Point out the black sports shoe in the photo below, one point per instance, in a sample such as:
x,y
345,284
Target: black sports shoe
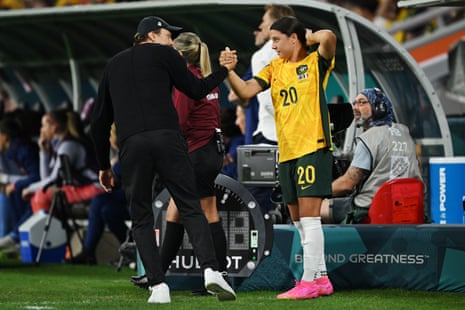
x,y
83,259
140,281
201,292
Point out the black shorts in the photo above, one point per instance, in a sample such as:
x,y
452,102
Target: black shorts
x,y
207,163
307,176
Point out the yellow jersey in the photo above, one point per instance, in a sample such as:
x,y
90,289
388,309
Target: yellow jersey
x,y
299,101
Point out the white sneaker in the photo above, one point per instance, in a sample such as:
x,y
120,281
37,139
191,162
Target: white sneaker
x,y
215,283
160,294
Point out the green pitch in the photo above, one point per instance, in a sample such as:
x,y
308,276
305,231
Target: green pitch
x,y
62,286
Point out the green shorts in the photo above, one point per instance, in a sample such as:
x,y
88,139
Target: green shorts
x,y
307,176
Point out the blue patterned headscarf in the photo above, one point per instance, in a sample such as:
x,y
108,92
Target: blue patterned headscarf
x,y
370,93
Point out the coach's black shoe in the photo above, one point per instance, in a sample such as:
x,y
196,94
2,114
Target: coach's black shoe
x,y
201,292
140,281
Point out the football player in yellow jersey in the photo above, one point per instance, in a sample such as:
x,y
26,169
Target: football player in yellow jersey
x,y
297,80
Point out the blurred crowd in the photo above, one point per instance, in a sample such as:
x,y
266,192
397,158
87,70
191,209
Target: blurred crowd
x,y
383,13
43,153
386,13
32,4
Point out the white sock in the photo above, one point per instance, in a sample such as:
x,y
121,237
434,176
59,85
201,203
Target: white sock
x,y
313,247
322,266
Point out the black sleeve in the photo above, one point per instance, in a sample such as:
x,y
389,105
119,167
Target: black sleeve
x,y
323,63
262,83
185,81
100,125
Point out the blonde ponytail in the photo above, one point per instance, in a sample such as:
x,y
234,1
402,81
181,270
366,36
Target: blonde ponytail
x,y
205,64
194,51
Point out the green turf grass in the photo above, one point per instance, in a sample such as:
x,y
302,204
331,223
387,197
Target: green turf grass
x,y
63,286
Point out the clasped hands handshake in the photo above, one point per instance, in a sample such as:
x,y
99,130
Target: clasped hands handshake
x,y
228,58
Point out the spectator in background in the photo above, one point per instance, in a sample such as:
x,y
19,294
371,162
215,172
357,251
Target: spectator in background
x,y
364,8
233,137
34,4
6,216
19,166
385,151
240,119
78,2
385,13
6,104
61,136
11,4
106,209
250,107
199,121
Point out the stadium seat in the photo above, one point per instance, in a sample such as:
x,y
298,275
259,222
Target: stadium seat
x,y
398,201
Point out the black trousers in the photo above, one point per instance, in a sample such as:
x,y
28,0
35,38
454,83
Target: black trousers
x,y
142,156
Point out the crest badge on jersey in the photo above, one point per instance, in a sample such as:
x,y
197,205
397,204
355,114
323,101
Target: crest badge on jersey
x,y
302,72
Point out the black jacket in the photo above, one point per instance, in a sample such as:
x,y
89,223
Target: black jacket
x,y
136,93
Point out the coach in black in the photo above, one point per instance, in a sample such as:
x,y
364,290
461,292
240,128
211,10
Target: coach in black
x,y
136,93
